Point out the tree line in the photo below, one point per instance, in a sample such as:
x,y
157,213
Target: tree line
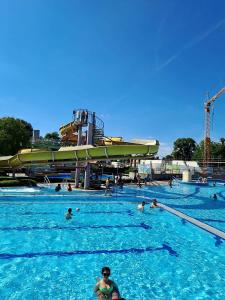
x,y
189,149
16,134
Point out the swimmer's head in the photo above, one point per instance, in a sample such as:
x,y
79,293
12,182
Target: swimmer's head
x,y
106,271
143,203
77,209
69,210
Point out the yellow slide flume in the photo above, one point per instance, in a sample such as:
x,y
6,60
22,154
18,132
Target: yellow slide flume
x,y
84,154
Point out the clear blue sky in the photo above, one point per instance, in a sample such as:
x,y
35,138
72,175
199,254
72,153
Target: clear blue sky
x,y
144,66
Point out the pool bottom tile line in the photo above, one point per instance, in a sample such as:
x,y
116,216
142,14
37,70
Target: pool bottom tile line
x,y
164,247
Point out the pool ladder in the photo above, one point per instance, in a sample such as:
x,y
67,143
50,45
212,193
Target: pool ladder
x,y
46,180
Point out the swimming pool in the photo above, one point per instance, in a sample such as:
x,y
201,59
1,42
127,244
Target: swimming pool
x,y
152,255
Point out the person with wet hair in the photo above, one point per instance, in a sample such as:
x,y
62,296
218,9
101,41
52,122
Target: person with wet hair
x,y
141,206
58,187
154,204
68,214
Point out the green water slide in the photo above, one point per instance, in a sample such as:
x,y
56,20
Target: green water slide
x,y
85,154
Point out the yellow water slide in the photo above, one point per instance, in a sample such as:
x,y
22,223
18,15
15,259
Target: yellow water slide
x,y
68,132
79,153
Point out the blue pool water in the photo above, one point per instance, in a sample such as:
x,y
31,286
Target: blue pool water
x,y
152,255
192,200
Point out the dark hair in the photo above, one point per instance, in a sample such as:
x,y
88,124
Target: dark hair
x,y
107,269
69,210
143,202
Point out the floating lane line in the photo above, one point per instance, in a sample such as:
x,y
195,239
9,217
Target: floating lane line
x,y
195,222
164,247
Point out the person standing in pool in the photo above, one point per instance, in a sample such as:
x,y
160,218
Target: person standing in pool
x,y
141,206
58,187
214,196
69,187
68,214
105,288
154,204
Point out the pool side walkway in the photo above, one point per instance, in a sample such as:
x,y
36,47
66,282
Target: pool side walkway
x,y
202,225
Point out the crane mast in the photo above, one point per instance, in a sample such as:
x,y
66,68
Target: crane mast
x,y
207,107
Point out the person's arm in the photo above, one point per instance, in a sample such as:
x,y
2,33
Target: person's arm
x,y
98,292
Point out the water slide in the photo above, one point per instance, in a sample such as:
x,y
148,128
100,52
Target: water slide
x,y
79,153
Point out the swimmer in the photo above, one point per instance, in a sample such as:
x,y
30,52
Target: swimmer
x,y
68,214
154,204
58,187
69,187
77,209
214,196
141,206
107,289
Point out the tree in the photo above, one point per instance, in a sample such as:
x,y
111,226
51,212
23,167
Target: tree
x,y
199,151
217,150
183,148
168,157
15,134
52,136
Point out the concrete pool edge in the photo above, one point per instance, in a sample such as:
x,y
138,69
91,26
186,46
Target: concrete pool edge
x,y
193,221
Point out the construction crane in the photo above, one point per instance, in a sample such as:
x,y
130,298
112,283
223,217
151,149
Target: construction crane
x,y
207,107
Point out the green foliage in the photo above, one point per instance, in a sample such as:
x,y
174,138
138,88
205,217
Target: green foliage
x,y
168,158
217,150
199,151
17,182
52,136
183,148
5,178
15,134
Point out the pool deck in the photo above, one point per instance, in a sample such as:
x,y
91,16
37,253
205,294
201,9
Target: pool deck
x,y
195,222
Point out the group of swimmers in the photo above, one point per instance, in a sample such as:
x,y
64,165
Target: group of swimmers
x,y
153,204
202,180
58,187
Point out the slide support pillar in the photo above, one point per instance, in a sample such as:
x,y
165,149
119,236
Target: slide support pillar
x,y
77,173
88,166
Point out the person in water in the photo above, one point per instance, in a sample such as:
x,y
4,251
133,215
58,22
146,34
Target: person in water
x,y
214,196
154,204
141,206
69,187
68,214
58,187
105,288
